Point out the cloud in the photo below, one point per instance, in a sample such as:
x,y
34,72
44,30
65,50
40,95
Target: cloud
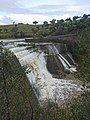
x,y
40,7
53,10
40,18
7,4
6,20
41,10
21,7
29,18
30,10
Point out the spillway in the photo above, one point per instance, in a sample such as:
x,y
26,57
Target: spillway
x,y
44,85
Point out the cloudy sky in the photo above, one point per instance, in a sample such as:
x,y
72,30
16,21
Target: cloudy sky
x,y
27,11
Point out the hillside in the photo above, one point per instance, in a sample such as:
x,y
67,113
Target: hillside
x,y
17,99
55,27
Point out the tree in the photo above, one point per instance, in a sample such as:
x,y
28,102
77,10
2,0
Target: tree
x,y
45,23
75,18
68,20
62,20
13,22
60,23
84,17
53,21
35,22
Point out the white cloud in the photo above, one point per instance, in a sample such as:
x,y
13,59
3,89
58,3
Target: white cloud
x,y
27,11
39,18
5,20
29,18
32,3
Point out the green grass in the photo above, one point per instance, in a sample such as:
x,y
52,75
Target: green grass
x,y
27,30
20,101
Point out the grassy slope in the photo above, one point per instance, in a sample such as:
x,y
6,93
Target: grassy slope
x,y
81,53
27,30
6,30
21,98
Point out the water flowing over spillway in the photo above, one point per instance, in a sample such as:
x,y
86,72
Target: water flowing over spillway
x,y
44,85
65,63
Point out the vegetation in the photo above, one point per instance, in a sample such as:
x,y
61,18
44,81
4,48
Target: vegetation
x,y
17,99
18,102
55,27
81,53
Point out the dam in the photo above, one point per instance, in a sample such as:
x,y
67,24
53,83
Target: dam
x,y
33,58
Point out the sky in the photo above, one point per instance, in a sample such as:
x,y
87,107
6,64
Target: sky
x,y
27,11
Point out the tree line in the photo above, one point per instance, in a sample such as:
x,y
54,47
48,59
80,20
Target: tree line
x,y
53,27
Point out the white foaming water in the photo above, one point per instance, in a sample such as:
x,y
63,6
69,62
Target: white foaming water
x,y
21,54
64,62
11,40
17,49
9,46
54,50
45,86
